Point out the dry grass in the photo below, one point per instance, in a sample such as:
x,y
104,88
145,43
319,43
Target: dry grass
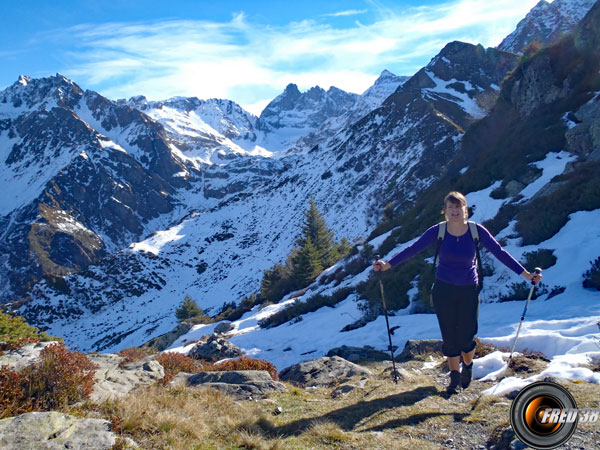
x,y
413,414
179,418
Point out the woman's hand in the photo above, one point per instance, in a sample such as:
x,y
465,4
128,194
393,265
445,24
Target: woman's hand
x,y
534,277
380,265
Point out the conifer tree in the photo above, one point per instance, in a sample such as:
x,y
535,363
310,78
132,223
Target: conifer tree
x,y
275,283
307,264
188,309
343,247
322,238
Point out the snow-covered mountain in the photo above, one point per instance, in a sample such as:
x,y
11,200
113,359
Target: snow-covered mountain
x,y
385,85
546,23
83,177
235,220
205,131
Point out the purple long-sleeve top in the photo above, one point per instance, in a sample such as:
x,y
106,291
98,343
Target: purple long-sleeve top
x,y
457,262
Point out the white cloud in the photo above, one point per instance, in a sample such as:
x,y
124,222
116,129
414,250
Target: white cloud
x,y
350,12
251,63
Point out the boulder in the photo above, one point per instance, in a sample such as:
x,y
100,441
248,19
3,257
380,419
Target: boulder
x,y
323,372
355,354
115,379
164,341
241,384
214,348
54,430
24,356
224,327
420,349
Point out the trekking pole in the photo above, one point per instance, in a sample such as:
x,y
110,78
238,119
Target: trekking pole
x,y
387,324
537,270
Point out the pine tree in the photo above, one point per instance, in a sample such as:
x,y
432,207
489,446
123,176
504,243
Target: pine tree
x,y
188,309
343,247
307,264
275,283
322,238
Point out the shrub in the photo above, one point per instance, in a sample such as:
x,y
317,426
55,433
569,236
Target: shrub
x,y
60,378
542,258
592,276
520,291
173,363
396,283
134,354
485,348
242,363
312,304
15,332
236,313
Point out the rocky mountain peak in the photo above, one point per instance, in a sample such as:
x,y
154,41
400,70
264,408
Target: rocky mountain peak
x,y
294,109
387,77
471,68
47,92
546,23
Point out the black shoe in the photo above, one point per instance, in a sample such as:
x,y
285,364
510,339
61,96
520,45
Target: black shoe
x,y
454,382
465,375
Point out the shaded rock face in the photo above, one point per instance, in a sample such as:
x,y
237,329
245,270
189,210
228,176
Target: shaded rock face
x,y
419,349
583,136
242,384
114,380
223,327
164,341
53,430
355,354
215,348
323,372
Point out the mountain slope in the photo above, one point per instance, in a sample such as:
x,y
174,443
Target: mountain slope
x,y
86,177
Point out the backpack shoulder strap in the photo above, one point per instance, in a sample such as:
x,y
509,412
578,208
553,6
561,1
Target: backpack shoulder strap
x,y
474,231
475,236
441,231
440,238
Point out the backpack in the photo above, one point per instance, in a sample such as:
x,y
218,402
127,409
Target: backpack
x,y
475,236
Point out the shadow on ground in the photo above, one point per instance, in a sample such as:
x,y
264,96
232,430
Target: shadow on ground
x,y
348,417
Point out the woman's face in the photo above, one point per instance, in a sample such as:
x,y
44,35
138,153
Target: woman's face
x,y
455,212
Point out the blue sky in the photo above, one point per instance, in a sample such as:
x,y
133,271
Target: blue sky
x,y
244,51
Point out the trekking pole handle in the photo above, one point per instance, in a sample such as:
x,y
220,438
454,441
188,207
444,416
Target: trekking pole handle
x,y
537,271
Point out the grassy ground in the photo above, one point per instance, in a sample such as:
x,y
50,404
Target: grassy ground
x,y
413,414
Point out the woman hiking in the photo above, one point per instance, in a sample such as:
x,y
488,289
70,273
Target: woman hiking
x,y
455,293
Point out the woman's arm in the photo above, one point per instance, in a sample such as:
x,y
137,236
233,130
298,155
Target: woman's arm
x,y
488,241
419,245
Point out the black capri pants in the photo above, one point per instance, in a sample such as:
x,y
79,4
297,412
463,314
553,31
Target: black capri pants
x,y
457,311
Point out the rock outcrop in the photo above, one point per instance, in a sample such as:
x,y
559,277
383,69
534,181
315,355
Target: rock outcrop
x,y
114,379
24,356
215,348
54,430
323,372
240,384
356,354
